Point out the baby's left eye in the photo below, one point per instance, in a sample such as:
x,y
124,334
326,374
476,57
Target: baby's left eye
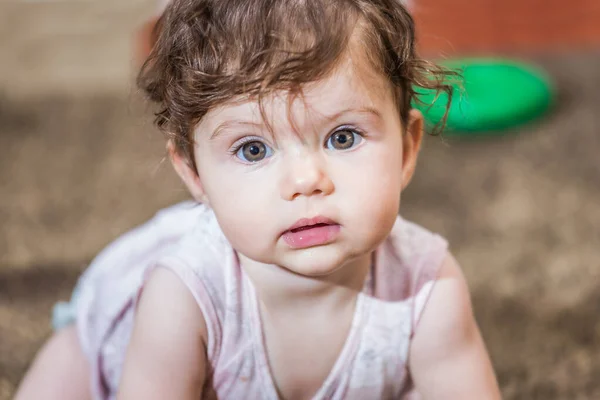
x,y
343,139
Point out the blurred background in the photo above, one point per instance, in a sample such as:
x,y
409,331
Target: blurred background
x,y
80,163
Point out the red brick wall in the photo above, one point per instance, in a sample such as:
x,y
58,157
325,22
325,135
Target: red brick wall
x,y
489,26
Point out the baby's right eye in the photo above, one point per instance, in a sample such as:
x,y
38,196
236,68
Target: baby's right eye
x,y
253,151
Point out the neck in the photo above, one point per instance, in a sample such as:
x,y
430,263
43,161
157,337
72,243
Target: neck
x,y
280,290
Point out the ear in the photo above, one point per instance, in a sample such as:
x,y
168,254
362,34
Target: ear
x,y
187,174
411,144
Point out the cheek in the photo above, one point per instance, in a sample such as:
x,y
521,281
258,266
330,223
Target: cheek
x,y
371,190
241,203
375,176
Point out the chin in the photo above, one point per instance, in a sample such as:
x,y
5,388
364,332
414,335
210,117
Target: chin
x,y
317,261
312,271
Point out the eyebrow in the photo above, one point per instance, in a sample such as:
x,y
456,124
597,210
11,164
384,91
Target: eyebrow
x,y
360,110
229,124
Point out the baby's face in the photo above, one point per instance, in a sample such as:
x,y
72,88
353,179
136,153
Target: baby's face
x,y
333,161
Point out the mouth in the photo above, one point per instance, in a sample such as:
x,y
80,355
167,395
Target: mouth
x,y
303,228
311,232
308,223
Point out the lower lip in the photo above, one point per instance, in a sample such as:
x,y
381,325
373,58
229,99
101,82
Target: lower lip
x,y
316,236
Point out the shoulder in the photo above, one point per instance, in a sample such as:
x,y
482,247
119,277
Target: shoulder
x,y
166,308
415,238
413,245
409,258
149,241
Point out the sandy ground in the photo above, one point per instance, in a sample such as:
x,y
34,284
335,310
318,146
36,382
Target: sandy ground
x,y
79,164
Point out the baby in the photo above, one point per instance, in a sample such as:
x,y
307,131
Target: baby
x,y
290,275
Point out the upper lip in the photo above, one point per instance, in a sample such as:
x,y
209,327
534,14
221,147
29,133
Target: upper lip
x,y
311,221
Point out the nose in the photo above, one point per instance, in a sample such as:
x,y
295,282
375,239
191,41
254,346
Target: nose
x,y
305,175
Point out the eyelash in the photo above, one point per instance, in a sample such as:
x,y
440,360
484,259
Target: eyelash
x,y
248,139
349,128
240,143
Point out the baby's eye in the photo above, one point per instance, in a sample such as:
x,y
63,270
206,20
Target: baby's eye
x,y
343,139
253,151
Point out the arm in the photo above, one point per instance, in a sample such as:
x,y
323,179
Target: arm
x,y
448,359
166,357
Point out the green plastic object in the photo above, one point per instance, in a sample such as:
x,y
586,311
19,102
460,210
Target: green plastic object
x,y
493,96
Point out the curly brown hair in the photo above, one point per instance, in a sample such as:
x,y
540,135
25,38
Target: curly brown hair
x,y
209,52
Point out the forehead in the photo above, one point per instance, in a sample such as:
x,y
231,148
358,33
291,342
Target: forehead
x,y
350,87
351,84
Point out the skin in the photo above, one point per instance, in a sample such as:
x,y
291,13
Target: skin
x,y
312,289
60,360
